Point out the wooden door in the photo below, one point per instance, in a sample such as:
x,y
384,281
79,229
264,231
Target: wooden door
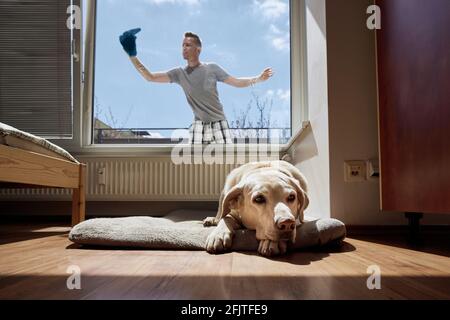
x,y
413,53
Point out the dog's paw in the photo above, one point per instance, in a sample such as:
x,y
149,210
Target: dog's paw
x,y
269,248
209,222
219,241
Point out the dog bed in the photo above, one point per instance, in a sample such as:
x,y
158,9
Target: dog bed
x,y
183,230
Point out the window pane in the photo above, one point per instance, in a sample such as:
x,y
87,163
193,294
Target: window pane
x,y
242,36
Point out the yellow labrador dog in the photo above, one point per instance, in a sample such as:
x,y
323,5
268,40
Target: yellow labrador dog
x,y
268,197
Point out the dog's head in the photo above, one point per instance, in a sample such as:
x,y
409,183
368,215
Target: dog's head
x,y
270,202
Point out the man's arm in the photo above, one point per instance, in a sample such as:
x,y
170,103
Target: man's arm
x,y
161,77
128,42
246,82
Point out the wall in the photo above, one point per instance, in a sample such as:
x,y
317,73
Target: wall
x,y
311,155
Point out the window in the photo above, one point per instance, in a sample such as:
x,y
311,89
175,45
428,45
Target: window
x,y
242,36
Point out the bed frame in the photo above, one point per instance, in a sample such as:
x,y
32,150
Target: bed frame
x,y
33,169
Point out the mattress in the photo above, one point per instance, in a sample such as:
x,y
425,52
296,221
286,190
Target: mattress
x,y
14,137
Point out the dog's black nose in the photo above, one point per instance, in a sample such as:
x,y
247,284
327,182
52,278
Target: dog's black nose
x,y
285,224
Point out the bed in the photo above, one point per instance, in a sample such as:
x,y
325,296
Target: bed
x,y
30,161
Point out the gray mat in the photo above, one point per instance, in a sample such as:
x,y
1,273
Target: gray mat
x,y
183,229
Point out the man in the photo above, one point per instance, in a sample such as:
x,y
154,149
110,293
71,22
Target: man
x,y
199,82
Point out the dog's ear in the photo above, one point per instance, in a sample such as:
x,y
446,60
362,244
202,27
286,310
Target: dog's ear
x,y
302,195
230,200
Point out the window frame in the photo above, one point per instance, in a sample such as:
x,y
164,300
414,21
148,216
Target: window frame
x,y
74,144
82,142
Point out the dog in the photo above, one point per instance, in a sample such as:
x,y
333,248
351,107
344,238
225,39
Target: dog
x,y
268,197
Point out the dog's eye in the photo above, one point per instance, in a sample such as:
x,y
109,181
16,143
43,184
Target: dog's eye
x,y
259,199
291,198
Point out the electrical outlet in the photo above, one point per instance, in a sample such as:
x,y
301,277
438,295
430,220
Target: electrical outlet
x,y
355,171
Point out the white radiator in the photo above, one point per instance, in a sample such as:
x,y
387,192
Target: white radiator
x,y
138,179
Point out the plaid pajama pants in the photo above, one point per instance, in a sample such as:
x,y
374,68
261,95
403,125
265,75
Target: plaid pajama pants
x,y
209,132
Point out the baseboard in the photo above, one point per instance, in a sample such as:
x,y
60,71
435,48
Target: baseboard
x,y
60,211
378,230
13,209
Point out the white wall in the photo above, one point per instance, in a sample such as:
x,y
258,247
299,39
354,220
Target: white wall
x,y
312,155
353,112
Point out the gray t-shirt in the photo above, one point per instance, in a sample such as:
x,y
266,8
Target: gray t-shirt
x,y
200,87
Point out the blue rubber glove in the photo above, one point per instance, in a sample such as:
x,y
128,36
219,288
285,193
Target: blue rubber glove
x,y
128,41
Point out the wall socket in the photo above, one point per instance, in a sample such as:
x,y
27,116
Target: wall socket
x,y
355,171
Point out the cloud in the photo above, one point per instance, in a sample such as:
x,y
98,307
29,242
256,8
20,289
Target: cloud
x,y
281,43
271,9
274,29
216,52
193,6
180,2
284,95
280,94
278,38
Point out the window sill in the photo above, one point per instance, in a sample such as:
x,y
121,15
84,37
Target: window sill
x,y
164,150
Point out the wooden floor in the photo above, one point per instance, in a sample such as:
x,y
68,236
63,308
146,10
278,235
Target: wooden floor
x,y
34,260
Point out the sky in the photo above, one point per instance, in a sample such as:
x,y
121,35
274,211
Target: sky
x,y
242,36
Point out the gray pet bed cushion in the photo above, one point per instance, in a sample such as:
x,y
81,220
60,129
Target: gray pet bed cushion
x,y
183,230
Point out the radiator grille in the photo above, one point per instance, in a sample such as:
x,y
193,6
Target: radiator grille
x,y
139,179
